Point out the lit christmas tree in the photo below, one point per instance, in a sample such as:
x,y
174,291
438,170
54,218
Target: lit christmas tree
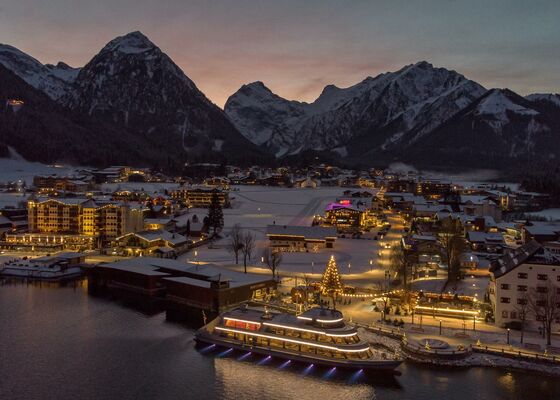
x,y
331,283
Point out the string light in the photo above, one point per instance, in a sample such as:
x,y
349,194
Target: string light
x,y
331,281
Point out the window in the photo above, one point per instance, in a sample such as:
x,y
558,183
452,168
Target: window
x,y
542,277
542,289
521,288
522,275
513,315
504,299
505,314
541,303
504,286
522,301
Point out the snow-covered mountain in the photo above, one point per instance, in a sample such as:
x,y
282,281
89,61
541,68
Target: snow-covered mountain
x,y
52,80
497,128
391,109
551,98
137,86
135,91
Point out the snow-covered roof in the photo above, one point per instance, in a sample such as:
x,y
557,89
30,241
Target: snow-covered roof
x,y
307,232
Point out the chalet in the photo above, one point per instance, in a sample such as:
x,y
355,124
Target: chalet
x,y
489,242
541,232
160,243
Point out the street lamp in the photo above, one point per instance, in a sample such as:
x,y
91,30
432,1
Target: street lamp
x,y
508,336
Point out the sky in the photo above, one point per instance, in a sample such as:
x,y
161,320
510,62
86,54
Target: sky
x,y
298,47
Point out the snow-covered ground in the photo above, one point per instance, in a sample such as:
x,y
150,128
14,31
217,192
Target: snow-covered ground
x,y
14,169
552,214
254,207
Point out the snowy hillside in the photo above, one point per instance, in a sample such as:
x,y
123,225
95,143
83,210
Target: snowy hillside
x,y
47,78
415,98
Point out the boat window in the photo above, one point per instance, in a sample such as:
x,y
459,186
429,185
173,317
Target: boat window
x,y
323,352
306,349
308,335
292,346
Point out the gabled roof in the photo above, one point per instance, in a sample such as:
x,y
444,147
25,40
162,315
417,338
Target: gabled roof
x,y
530,253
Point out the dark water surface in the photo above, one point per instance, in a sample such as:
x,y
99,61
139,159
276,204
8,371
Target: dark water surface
x,y
61,343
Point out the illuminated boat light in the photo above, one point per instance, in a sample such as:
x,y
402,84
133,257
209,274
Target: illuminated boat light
x,y
244,356
356,375
284,365
329,373
242,321
208,348
261,362
308,369
224,353
322,321
311,330
294,341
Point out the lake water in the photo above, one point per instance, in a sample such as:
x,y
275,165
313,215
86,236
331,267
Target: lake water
x,y
61,343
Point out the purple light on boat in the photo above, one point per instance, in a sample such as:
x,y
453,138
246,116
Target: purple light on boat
x,y
308,369
244,356
356,375
223,353
261,362
284,365
208,348
329,373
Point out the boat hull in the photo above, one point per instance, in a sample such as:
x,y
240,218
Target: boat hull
x,y
204,337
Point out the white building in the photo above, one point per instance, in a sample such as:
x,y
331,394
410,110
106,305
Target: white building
x,y
521,273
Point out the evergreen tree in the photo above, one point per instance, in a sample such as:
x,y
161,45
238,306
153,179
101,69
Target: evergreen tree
x,y
215,214
331,283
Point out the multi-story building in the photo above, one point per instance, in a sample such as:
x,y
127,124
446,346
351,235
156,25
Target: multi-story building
x,y
519,279
76,223
200,197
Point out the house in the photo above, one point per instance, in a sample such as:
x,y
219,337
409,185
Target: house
x,y
518,274
480,206
300,238
541,232
158,243
344,217
490,242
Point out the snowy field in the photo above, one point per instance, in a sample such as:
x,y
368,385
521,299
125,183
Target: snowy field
x,y
552,214
14,169
254,207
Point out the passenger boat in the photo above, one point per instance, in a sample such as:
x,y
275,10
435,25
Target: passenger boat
x,y
319,336
39,268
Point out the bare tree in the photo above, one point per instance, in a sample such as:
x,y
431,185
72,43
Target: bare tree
x,y
307,283
272,259
544,303
523,309
400,265
247,247
235,241
383,288
453,245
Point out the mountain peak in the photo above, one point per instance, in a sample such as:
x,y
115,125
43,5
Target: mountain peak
x,y
131,43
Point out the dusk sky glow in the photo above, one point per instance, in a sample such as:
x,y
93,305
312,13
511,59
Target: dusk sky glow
x,y
298,47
